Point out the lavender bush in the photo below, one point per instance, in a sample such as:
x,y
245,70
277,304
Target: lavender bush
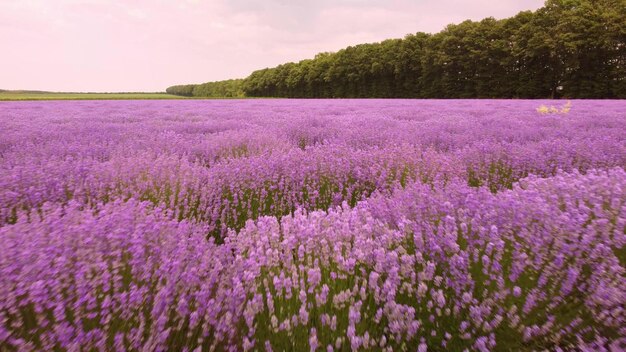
x,y
312,225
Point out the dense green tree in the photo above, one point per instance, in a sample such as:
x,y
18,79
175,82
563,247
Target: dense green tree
x,y
183,90
231,88
568,48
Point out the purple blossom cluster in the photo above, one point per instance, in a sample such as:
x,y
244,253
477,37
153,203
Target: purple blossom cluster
x,y
312,225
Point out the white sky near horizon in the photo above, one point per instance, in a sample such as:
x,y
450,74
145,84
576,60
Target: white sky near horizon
x,y
100,46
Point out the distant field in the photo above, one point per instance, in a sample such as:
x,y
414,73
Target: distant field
x,y
17,95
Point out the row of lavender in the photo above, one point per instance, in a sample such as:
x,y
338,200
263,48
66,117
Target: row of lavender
x,y
226,162
536,267
408,253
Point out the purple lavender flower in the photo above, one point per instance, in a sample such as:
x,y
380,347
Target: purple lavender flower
x,y
205,225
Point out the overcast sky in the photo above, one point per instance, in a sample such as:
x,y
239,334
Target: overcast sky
x,y
116,45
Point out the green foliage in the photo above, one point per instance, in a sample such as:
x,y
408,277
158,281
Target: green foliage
x,y
568,48
222,89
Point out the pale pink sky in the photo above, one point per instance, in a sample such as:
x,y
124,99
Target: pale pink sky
x,y
99,45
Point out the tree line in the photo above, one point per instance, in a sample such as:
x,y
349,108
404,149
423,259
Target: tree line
x,y
568,48
231,88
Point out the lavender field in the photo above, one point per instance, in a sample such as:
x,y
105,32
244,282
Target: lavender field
x,y
312,225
